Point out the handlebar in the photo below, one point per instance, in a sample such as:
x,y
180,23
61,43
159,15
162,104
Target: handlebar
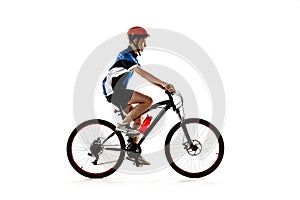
x,y
177,101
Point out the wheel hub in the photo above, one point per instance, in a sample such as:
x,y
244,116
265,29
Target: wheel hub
x,y
193,149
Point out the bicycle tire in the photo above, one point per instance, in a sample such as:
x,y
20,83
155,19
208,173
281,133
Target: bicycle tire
x,y
214,132
103,125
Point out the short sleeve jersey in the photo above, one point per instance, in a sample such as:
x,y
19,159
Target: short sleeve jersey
x,y
121,71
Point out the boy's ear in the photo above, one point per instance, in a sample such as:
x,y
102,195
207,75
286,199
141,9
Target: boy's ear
x,y
135,40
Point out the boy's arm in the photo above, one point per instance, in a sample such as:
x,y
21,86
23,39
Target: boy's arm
x,y
152,79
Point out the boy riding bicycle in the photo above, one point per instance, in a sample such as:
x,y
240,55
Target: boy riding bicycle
x,y
115,84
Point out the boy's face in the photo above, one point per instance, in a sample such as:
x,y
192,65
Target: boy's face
x,y
141,44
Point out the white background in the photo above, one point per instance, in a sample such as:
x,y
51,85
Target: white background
x,y
255,46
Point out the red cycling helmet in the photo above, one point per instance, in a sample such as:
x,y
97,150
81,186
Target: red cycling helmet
x,y
137,31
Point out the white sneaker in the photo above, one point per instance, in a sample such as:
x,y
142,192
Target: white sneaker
x,y
125,128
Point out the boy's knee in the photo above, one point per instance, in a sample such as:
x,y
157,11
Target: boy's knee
x,y
149,101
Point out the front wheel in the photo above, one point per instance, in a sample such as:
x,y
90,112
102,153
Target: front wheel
x,y
199,157
94,149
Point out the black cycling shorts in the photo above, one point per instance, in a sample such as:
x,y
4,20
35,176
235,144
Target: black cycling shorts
x,y
120,97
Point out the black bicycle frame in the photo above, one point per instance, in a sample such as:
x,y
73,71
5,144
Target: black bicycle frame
x,y
168,104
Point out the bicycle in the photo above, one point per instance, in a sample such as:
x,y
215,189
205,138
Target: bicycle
x,y
193,147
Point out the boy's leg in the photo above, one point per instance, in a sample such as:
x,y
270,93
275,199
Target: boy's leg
x,y
137,122
136,125
144,103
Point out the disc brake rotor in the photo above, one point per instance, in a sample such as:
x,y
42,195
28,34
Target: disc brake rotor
x,y
193,149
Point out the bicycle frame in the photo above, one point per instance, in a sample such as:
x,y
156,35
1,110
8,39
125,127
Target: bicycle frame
x,y
168,104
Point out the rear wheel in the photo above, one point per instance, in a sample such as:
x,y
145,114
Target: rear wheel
x,y
94,149
200,157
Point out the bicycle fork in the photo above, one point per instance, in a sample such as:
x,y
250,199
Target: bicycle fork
x,y
187,136
183,125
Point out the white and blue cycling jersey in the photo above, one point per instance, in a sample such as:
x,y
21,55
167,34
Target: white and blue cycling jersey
x,y
121,71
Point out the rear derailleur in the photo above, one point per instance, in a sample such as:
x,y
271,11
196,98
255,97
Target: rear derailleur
x,y
96,149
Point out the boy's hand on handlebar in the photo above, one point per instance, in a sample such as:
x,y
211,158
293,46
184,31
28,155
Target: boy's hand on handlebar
x,y
169,87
